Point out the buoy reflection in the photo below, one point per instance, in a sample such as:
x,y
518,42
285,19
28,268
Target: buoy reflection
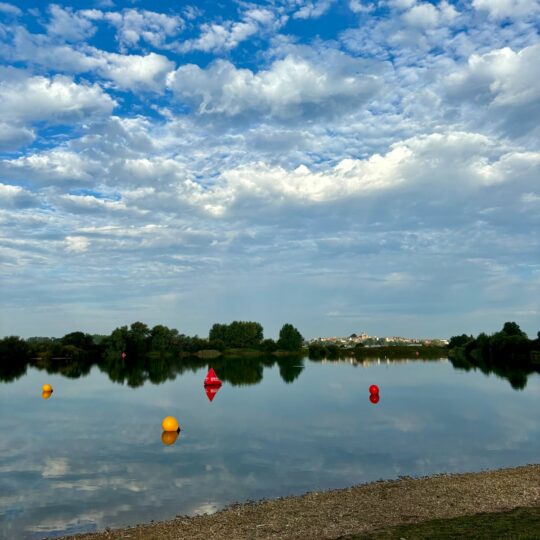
x,y
46,395
374,398
169,437
211,391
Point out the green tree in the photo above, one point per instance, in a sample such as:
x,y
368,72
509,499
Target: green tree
x,y
269,345
240,334
80,340
513,329
218,331
459,341
13,348
14,357
290,339
162,339
139,334
118,340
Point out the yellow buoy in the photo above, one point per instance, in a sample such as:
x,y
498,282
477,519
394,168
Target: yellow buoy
x,y
47,388
170,423
46,395
169,437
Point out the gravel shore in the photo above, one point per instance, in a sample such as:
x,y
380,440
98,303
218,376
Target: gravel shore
x,y
362,508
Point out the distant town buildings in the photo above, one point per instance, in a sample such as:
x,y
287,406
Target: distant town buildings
x,y
374,341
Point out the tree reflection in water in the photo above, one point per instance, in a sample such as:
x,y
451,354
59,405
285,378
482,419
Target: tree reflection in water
x,y
157,367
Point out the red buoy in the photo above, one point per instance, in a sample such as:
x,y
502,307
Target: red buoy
x,y
212,379
123,355
374,389
374,398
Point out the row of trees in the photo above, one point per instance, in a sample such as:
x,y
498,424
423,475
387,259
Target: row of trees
x,y
508,353
240,334
76,352
140,339
509,344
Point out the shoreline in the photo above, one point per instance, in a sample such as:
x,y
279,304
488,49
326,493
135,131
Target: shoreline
x,y
362,508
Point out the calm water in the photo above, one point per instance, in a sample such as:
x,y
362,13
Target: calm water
x,y
91,456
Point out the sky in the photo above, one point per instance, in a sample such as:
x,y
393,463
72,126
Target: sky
x,y
341,165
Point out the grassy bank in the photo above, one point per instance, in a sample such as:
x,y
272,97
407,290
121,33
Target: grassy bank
x,y
517,524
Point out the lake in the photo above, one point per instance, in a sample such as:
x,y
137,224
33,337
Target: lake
x,y
92,455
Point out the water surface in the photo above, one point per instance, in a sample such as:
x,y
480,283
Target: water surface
x,y
91,456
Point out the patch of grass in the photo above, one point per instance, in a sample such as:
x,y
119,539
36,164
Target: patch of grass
x,y
517,524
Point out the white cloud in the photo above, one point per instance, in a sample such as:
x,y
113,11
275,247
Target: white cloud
x,y
500,77
39,50
501,9
192,12
282,90
401,4
13,136
217,37
68,25
88,204
433,165
56,99
357,6
410,33
531,198
51,166
16,197
77,244
422,16
425,15
10,9
139,25
502,88
134,71
313,10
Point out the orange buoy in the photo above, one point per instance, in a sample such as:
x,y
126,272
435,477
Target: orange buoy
x,y
170,423
47,388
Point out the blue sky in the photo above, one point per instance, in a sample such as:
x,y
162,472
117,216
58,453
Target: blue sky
x,y
343,165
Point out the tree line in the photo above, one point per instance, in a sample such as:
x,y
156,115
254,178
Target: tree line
x,y
78,351
508,353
